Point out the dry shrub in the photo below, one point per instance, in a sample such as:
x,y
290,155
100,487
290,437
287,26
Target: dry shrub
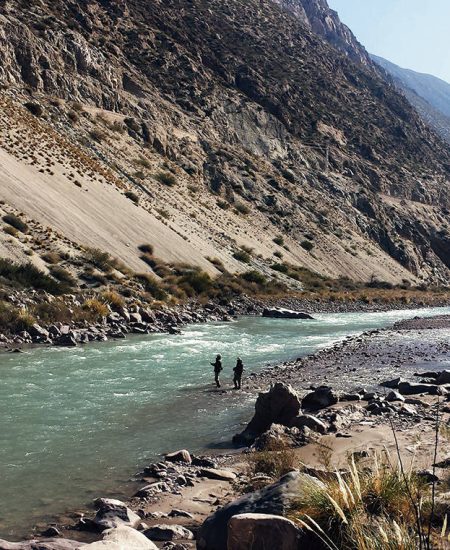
x,y
367,509
15,222
276,460
51,257
13,319
113,299
96,308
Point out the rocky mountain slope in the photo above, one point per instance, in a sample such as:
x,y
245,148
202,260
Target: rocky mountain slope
x,y
428,94
203,127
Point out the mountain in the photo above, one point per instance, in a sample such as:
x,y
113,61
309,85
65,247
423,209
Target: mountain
x,y
317,16
204,126
429,95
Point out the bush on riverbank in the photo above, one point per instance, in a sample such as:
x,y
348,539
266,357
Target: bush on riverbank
x,y
367,509
14,319
29,276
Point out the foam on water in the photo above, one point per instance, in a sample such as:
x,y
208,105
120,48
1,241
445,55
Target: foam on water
x,y
76,423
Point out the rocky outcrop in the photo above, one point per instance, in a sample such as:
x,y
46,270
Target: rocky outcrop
x,y
317,15
275,499
279,405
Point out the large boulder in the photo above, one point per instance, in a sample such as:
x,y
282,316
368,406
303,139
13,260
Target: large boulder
x,y
123,538
179,456
42,544
443,377
277,406
412,388
282,313
168,532
321,398
256,531
276,499
114,513
220,475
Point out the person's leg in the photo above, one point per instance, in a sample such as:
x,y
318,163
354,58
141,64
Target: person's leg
x,y
217,379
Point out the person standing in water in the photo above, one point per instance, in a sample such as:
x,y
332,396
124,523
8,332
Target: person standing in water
x,y
238,370
217,369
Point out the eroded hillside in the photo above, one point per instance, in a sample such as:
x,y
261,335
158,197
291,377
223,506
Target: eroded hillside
x,y
204,127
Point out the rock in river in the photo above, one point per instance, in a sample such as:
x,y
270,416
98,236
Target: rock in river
x,y
281,313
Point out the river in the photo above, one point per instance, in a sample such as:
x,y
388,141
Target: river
x,y
77,423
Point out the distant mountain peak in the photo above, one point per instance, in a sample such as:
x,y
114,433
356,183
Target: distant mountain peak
x,y
427,93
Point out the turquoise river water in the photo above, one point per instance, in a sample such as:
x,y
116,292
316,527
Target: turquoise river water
x,y
77,423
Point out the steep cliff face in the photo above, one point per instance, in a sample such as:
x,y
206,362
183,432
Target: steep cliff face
x,y
325,22
233,124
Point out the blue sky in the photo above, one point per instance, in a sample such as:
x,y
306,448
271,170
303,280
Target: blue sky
x,y
414,34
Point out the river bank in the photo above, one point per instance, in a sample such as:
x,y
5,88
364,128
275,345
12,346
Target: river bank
x,y
116,319
360,361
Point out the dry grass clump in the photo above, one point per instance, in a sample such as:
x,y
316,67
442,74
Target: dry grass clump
x,y
166,178
29,276
13,319
16,222
242,256
63,275
368,509
10,230
275,460
51,257
104,261
146,248
96,308
134,197
113,299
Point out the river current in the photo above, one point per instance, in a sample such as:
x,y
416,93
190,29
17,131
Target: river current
x,y
75,424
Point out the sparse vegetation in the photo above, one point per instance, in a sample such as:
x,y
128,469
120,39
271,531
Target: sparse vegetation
x,y
275,460
132,196
10,230
279,240
242,256
371,509
51,257
13,319
96,308
241,208
307,245
16,222
146,248
166,178
29,276
113,299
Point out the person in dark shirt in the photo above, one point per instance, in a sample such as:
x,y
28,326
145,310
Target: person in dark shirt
x,y
217,369
238,370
